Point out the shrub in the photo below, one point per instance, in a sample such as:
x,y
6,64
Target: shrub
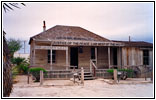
x,y
23,68
14,72
17,60
129,71
110,71
36,72
22,65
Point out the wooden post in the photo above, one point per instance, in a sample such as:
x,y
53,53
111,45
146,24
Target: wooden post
x,y
91,66
51,59
31,55
145,73
34,57
28,78
152,75
67,59
121,56
109,57
82,75
115,75
34,53
96,55
41,77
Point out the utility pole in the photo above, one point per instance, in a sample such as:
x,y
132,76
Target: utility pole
x,y
24,45
129,38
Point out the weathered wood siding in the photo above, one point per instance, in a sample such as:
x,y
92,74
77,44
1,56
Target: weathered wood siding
x,y
84,58
41,58
151,58
60,58
132,56
102,57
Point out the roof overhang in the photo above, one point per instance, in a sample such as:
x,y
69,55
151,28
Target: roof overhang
x,y
80,43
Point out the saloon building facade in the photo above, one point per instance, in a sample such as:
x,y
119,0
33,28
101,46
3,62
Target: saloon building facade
x,y
68,47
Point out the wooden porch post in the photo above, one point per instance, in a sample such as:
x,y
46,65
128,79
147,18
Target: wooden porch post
x,y
109,57
96,55
34,54
31,55
121,56
34,57
67,58
51,58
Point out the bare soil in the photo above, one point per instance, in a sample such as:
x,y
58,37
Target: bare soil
x,y
91,88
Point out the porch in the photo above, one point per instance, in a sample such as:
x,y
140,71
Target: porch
x,y
74,57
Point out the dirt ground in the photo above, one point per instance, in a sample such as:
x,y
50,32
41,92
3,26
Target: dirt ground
x,y
91,88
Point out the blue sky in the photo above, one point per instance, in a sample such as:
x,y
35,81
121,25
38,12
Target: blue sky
x,y
115,21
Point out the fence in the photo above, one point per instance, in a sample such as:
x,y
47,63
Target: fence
x,y
102,73
58,74
52,74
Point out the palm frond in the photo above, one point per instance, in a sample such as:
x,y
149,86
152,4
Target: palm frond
x,y
23,4
10,6
15,5
7,6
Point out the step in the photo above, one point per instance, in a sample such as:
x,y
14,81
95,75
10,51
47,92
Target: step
x,y
88,75
89,78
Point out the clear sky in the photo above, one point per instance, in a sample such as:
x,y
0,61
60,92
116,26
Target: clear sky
x,y
115,21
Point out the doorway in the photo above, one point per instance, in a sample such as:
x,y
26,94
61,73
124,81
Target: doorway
x,y
115,56
74,57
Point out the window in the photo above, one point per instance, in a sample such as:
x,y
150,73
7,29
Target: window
x,y
145,57
53,56
92,53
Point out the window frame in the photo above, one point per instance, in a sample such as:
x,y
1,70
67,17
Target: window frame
x,y
53,56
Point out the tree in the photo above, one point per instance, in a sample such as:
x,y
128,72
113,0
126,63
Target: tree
x,y
13,45
10,6
7,74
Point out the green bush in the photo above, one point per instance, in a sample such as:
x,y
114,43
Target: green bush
x,y
17,60
23,68
36,72
14,72
129,71
22,65
110,71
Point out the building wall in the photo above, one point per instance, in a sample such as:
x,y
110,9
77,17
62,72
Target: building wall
x,y
84,58
151,58
130,56
102,57
60,57
41,58
134,56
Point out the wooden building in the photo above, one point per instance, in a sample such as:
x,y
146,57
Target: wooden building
x,y
68,47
